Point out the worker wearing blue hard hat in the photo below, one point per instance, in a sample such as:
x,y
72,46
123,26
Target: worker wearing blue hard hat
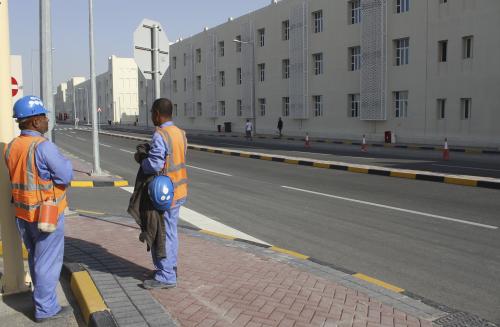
x,y
39,174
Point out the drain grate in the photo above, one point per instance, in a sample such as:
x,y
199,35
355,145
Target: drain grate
x,y
463,319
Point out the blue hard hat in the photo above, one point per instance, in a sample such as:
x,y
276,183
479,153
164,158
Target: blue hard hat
x,y
29,106
161,192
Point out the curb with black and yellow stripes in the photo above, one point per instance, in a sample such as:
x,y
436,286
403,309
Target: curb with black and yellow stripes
x,y
90,184
472,181
92,306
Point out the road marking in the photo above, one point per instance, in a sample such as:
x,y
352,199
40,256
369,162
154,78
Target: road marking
x,y
203,222
105,145
474,168
89,212
73,132
81,139
394,208
127,151
379,283
210,171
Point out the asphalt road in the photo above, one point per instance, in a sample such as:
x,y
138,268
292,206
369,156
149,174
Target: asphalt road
x,y
437,240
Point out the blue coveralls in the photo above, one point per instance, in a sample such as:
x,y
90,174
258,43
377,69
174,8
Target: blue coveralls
x,y
153,164
46,250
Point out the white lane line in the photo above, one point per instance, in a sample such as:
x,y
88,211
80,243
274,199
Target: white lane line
x,y
105,145
205,223
210,171
81,139
127,151
394,208
73,132
473,168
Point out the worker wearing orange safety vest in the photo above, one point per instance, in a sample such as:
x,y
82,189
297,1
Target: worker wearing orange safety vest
x,y
167,156
38,173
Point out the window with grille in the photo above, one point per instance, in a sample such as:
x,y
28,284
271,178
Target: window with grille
x,y
238,76
402,51
198,82
285,110
354,104
184,59
185,109
262,72
262,37
262,107
221,49
355,11
174,62
285,30
239,108
318,21
355,58
174,85
222,78
285,68
318,63
441,109
198,55
199,109
185,85
222,108
467,47
402,6
318,105
401,104
443,51
175,109
466,108
238,44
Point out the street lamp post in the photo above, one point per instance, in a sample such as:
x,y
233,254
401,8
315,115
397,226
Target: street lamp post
x,y
254,115
93,91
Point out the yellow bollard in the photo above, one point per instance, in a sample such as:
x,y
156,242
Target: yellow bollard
x,y
13,278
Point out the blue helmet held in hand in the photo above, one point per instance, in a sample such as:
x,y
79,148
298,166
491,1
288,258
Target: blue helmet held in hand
x,y
161,192
29,106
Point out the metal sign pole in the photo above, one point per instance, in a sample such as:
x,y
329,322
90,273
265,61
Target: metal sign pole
x,y
93,91
155,64
46,63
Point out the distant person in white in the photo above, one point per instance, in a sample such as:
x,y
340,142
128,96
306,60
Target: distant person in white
x,y
248,130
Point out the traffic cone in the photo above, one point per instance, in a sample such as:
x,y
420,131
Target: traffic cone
x,y
446,150
307,144
364,147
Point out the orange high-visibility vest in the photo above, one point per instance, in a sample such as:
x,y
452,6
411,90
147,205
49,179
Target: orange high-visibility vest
x,y
29,190
175,163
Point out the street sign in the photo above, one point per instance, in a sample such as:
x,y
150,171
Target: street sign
x,y
99,109
143,48
15,86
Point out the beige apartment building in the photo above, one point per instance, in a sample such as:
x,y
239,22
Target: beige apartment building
x,y
117,95
422,69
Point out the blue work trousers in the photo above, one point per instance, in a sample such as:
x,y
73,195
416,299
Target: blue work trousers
x,y
165,272
45,258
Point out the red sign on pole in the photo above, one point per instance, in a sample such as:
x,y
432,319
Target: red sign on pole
x,y
99,109
15,86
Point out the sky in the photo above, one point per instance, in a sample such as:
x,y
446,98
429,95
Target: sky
x,y
114,25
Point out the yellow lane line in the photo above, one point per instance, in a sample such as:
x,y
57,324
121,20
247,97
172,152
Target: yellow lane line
x,y
379,283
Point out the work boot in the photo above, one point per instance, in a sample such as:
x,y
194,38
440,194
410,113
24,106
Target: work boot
x,y
150,284
64,312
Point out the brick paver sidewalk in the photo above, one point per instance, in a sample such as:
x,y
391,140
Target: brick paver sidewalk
x,y
222,283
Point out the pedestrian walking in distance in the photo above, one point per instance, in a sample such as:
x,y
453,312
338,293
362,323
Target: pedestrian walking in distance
x,y
39,176
248,130
167,156
280,126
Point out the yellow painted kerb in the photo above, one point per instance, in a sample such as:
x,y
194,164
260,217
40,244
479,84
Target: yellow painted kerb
x,y
82,184
379,283
358,170
403,175
121,183
289,252
321,165
226,237
460,181
86,294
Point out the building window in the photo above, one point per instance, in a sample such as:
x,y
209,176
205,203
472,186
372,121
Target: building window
x,y
402,51
199,109
318,63
222,78
238,76
262,107
198,55
184,59
318,105
354,103
443,1
318,21
355,11
262,36
262,72
285,30
285,106
401,104
175,86
443,51
221,49
441,109
185,109
198,82
355,56
174,62
185,85
285,68
239,108
467,47
222,108
466,108
402,6
238,44
175,109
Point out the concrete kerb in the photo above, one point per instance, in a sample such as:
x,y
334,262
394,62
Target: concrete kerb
x,y
91,184
89,299
463,180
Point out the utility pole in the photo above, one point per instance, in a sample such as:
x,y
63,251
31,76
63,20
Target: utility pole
x,y
13,278
93,91
155,30
46,63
